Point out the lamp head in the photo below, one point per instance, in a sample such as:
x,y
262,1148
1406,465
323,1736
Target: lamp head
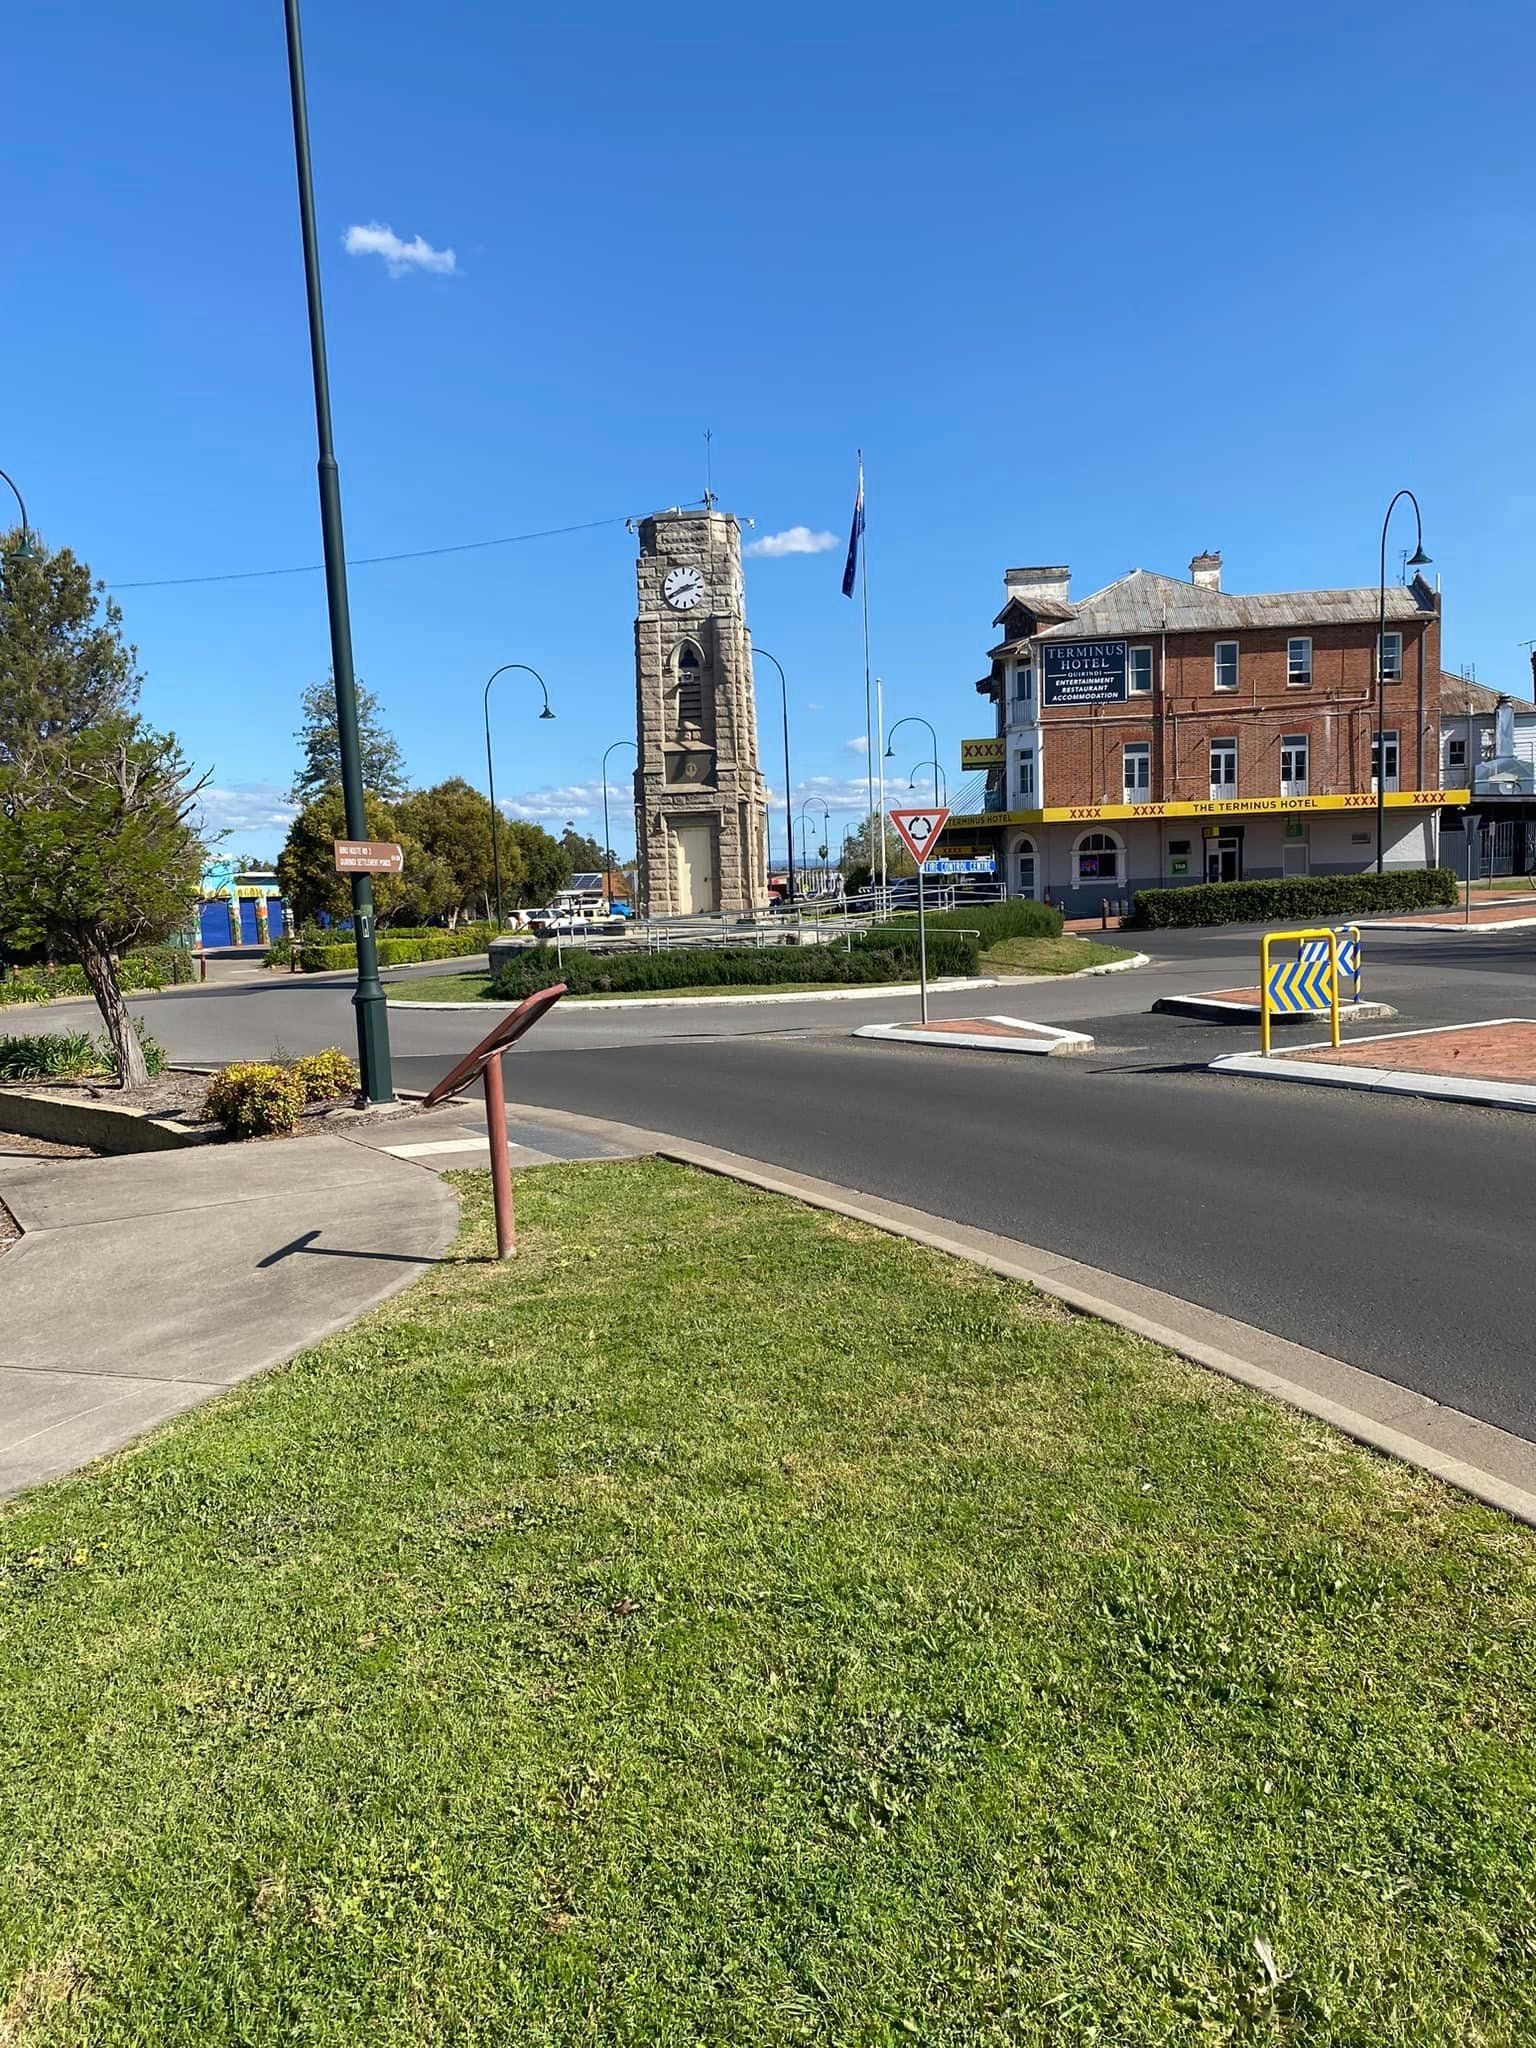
x,y
546,712
23,551
1418,559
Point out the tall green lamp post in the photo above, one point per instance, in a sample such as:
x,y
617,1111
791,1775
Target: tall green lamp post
x,y
368,999
24,550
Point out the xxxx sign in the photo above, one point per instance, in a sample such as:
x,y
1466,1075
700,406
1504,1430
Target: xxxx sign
x,y
920,829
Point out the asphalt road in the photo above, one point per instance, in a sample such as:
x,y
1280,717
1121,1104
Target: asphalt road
x,y
1382,1230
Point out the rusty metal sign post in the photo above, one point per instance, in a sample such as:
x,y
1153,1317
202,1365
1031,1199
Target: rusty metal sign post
x,y
484,1063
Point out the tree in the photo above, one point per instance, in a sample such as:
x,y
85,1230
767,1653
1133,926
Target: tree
x,y
545,864
856,854
306,868
98,853
383,762
63,661
452,822
586,856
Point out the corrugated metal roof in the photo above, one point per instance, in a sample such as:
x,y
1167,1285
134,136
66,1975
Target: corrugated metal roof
x,y
1144,602
1459,695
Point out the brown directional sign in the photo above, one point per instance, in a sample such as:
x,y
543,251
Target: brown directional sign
x,y
367,857
494,1043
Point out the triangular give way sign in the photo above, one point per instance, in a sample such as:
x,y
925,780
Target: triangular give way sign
x,y
920,829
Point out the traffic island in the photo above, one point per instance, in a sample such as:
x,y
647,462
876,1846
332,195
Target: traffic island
x,y
1241,1006
1492,1063
984,1034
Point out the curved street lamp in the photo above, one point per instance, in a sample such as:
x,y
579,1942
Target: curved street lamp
x,y
607,841
809,803
789,814
490,767
890,750
1417,560
24,551
938,777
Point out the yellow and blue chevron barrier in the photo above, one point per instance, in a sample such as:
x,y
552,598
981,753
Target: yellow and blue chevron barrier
x,y
1304,985
1349,954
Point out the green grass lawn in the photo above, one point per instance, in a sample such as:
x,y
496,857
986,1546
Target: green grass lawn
x,y
729,1626
1064,955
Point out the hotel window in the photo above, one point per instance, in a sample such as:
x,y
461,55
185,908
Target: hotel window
x,y
1226,664
1456,756
1384,743
1024,683
1223,769
1138,771
1026,766
1293,764
1392,657
1096,858
1141,671
1298,664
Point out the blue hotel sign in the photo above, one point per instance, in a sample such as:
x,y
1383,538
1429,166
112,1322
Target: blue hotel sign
x,y
1083,672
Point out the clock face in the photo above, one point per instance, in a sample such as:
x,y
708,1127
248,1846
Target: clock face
x,y
683,588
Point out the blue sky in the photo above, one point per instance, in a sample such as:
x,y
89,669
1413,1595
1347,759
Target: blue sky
x,y
1100,284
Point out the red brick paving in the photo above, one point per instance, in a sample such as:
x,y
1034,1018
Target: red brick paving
x,y
1482,913
1484,1052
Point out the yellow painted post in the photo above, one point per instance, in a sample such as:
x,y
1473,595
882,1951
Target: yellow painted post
x,y
1333,983
1264,996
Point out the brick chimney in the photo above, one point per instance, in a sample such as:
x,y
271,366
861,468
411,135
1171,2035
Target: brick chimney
x,y
1206,571
1053,583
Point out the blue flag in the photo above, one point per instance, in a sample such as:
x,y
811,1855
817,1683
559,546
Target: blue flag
x,y
855,536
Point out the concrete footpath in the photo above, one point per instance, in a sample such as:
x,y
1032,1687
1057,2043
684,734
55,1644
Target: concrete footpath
x,y
147,1284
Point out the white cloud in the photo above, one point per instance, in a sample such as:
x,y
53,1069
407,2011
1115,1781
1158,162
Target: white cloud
x,y
576,800
399,257
859,744
815,707
794,540
258,814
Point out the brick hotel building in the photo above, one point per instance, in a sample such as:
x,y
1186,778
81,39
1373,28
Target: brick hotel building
x,y
1163,732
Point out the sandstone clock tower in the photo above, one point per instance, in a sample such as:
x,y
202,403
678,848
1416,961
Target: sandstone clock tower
x,y
701,812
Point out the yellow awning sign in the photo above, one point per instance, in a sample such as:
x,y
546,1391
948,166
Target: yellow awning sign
x,y
1236,807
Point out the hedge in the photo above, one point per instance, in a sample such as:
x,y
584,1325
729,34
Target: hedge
x,y
892,956
317,957
1301,898
154,967
1017,919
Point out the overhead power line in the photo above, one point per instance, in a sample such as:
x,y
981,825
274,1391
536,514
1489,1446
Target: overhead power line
x,y
367,561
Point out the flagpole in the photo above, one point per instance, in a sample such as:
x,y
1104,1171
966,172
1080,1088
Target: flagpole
x,y
880,741
869,728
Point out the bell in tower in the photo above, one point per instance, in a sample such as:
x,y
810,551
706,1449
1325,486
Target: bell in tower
x,y
701,816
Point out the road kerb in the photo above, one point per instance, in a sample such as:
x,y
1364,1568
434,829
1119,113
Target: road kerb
x,y
1046,1041
811,995
1490,1464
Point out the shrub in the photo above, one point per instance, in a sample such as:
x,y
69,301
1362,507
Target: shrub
x,y
887,955
1017,919
256,1099
152,968
325,1075
47,1054
1298,898
56,1055
322,956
